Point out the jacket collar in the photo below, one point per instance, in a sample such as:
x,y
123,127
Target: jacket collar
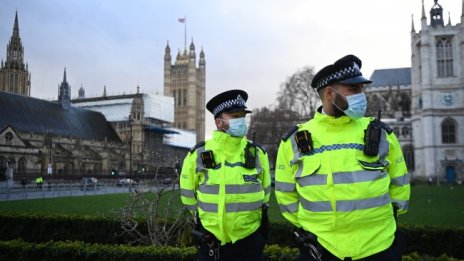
x,y
225,142
325,118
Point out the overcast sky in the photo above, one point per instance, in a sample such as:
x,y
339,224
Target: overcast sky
x,y
253,45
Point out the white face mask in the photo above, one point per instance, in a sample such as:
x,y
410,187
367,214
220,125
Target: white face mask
x,y
237,127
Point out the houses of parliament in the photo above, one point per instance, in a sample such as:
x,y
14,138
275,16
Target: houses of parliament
x,y
129,134
423,103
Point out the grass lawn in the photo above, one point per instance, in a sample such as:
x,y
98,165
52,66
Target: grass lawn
x,y
431,206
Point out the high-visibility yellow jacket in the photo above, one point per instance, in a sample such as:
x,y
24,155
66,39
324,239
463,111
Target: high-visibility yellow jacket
x,y
228,197
337,192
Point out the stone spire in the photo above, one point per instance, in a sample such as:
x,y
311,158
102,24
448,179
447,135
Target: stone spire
x,y
64,93
412,24
423,18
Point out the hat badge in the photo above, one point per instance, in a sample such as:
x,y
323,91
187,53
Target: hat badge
x,y
356,66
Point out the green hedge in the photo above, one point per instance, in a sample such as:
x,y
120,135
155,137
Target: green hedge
x,y
37,228
430,241
70,251
67,250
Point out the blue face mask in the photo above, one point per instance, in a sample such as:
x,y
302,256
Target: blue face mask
x,y
357,105
237,127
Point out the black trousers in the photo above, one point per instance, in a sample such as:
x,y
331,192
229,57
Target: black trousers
x,y
389,254
249,248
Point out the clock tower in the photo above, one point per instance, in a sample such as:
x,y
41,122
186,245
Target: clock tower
x,y
437,74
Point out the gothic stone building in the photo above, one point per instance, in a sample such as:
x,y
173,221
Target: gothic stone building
x,y
427,100
437,76
390,93
186,83
36,134
143,122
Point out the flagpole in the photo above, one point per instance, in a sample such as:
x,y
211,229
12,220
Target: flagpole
x,y
185,33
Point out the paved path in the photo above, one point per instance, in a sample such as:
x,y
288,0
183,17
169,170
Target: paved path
x,y
59,190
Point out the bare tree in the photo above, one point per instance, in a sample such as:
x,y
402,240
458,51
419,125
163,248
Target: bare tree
x,y
154,214
296,94
269,125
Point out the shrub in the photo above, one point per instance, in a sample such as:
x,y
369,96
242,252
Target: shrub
x,y
34,228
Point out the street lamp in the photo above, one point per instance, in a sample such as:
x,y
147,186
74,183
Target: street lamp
x,y
130,154
50,146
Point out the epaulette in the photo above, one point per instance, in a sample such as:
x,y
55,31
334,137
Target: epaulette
x,y
261,147
194,148
387,128
289,133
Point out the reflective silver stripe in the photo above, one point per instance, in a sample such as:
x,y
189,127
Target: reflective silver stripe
x,y
401,204
244,188
209,189
200,167
299,170
237,207
267,189
401,180
315,206
357,176
285,187
296,152
314,179
384,148
231,189
291,208
199,161
258,167
208,207
187,193
192,207
350,205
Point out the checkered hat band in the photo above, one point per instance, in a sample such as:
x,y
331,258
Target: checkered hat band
x,y
344,73
228,104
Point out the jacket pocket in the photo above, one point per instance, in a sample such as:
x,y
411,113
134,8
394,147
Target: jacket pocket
x,y
372,165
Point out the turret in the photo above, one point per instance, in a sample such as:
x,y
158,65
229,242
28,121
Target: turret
x,y
81,94
436,15
64,93
202,61
192,50
167,53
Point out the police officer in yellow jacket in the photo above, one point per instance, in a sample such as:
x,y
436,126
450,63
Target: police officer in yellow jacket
x,y
225,182
341,177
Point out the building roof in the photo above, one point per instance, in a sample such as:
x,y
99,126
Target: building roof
x,y
180,138
390,77
118,107
27,114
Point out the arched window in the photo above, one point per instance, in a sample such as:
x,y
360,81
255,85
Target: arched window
x,y
408,152
2,163
22,165
448,131
8,138
444,57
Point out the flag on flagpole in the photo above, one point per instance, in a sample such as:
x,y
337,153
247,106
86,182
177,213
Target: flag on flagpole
x,y
181,20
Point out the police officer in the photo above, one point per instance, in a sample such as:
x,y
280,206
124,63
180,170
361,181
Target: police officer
x,y
225,182
341,177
